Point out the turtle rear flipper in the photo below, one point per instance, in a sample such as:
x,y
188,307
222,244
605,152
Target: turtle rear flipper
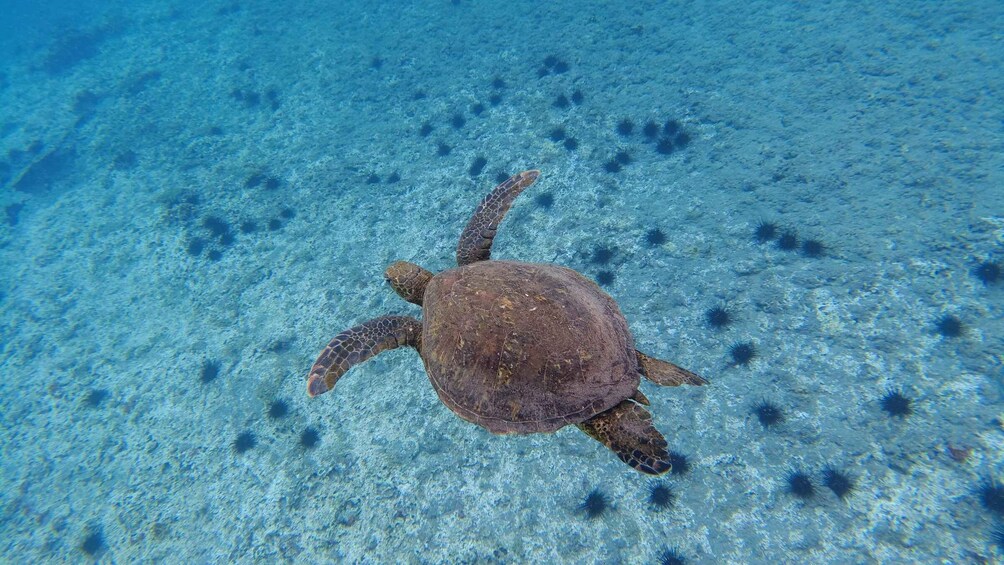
x,y
665,373
476,241
627,430
359,343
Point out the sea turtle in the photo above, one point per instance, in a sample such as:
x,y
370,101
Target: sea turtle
x,y
517,347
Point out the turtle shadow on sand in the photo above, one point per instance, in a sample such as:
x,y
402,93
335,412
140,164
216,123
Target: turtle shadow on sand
x,y
517,347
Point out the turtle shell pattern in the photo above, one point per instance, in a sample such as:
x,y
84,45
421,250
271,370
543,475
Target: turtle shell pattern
x,y
521,348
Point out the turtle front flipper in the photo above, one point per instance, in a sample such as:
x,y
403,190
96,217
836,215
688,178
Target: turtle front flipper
x,y
627,430
665,373
476,241
359,343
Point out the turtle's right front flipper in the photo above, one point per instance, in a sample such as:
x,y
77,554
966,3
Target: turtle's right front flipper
x,y
476,241
359,343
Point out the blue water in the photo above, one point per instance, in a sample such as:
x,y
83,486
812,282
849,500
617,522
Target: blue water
x,y
198,197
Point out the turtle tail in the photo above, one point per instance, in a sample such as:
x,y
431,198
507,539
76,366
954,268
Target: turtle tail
x,y
359,343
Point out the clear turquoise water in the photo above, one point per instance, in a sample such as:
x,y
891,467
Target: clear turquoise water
x,y
197,198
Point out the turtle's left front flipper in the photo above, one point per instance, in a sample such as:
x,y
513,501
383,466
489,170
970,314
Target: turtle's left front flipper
x,y
359,343
627,430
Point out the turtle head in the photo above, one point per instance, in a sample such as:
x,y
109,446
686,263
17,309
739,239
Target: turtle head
x,y
408,280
